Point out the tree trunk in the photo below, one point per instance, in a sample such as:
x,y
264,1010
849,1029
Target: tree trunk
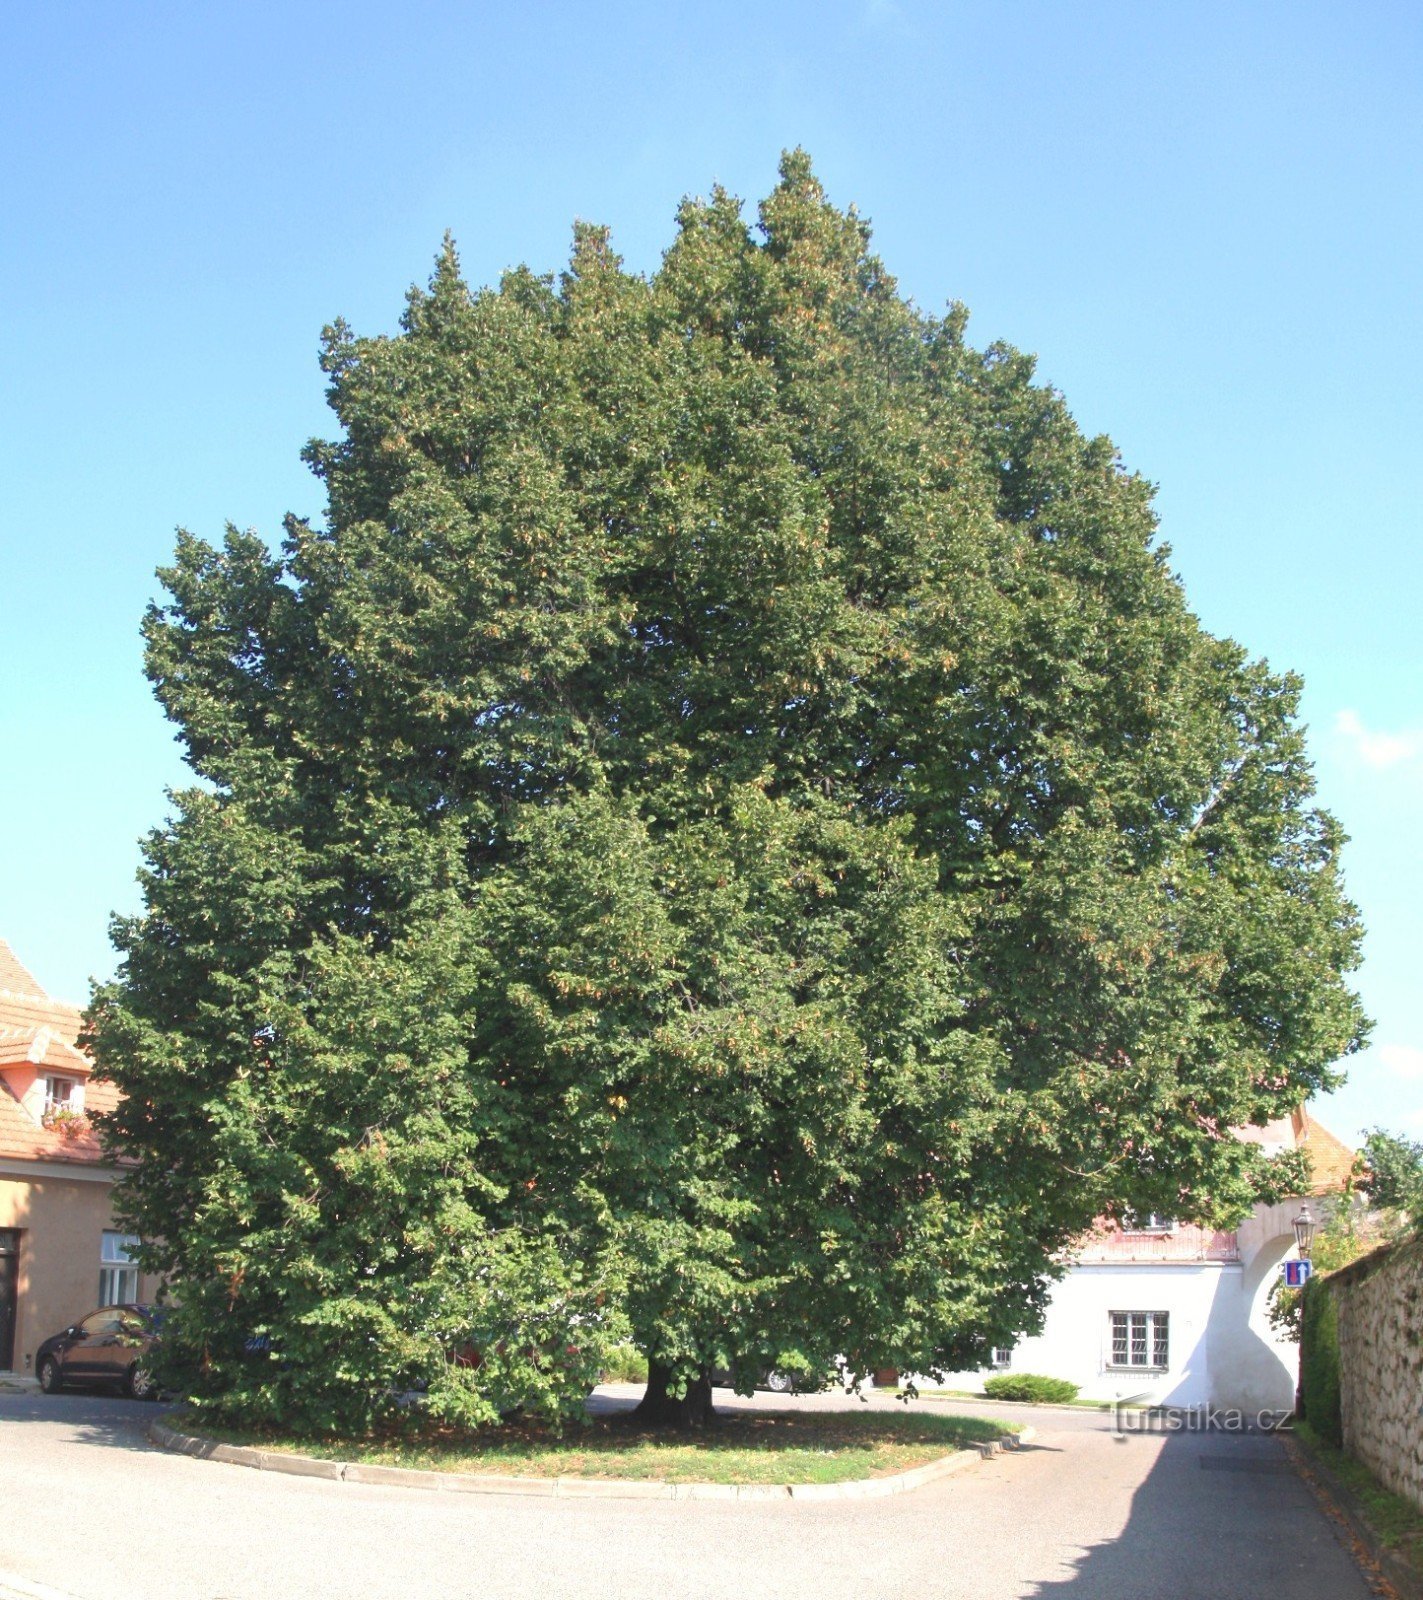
x,y
661,1409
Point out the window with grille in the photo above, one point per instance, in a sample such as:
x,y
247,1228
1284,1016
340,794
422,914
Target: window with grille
x,y
1002,1356
118,1277
1141,1339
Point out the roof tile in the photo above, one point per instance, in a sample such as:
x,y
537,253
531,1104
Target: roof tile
x,y
36,1030
15,976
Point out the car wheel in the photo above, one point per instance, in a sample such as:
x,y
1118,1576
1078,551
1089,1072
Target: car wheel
x,y
778,1383
49,1375
139,1384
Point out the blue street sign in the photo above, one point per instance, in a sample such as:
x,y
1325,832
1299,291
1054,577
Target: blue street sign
x,y
1297,1273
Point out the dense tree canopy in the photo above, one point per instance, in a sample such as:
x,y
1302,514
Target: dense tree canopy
x,y
728,832
1391,1176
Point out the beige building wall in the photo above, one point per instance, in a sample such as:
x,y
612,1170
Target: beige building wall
x,y
61,1216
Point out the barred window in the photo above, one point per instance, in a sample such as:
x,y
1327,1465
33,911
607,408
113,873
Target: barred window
x,y
1141,1339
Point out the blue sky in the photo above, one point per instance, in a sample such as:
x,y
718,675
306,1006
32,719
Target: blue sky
x,y
1207,220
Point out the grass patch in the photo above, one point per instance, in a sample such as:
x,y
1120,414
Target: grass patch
x,y
1397,1522
743,1447
978,1394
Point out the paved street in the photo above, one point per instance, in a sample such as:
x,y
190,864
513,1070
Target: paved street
x,y
93,1511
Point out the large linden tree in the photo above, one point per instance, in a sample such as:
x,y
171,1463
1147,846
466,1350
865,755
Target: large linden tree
x,y
728,836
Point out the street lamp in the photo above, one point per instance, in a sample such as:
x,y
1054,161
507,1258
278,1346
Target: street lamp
x,y
1304,1232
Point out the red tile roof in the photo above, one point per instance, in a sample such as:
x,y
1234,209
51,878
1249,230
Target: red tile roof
x,y
41,1047
13,975
37,1031
1331,1161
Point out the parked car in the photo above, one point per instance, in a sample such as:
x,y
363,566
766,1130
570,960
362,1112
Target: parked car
x,y
776,1382
108,1348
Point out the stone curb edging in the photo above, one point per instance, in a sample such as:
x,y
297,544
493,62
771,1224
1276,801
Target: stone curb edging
x,y
574,1488
1404,1578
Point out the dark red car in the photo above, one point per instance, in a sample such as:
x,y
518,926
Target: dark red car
x,y
109,1349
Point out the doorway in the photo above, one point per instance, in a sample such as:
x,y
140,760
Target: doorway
x,y
9,1294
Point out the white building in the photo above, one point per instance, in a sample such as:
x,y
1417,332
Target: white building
x,y
1171,1314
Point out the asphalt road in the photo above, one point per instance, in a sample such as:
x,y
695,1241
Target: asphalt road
x,y
91,1510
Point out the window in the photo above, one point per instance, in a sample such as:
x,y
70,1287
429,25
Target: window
x,y
1140,1339
1002,1356
1147,1222
61,1094
118,1277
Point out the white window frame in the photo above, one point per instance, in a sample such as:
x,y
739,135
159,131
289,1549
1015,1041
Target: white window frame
x,y
62,1094
1153,1340
118,1275
1002,1356
1151,1222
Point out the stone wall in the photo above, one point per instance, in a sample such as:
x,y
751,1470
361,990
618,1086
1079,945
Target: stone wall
x,y
1379,1300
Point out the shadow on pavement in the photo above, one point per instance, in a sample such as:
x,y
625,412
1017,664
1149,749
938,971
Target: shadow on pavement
x,y
1221,1516
98,1419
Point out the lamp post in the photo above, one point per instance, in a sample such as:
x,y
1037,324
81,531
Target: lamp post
x,y
1304,1226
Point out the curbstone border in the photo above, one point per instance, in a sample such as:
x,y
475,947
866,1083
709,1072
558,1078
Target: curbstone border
x,y
189,1444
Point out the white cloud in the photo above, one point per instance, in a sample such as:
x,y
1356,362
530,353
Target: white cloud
x,y
1402,1060
1378,750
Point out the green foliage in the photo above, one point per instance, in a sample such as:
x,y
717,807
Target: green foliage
x,y
1392,1177
1348,1231
1285,1175
625,1364
1319,1362
1030,1386
729,835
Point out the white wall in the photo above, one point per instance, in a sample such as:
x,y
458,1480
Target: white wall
x,y
1076,1339
1222,1350
1256,1368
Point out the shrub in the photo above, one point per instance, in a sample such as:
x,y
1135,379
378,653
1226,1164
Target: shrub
x,y
1029,1386
625,1364
1319,1364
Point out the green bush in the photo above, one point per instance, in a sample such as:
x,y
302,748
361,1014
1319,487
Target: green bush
x,y
1319,1364
625,1364
1029,1386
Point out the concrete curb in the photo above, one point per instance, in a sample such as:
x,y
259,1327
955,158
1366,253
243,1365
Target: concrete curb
x,y
1404,1578
189,1444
